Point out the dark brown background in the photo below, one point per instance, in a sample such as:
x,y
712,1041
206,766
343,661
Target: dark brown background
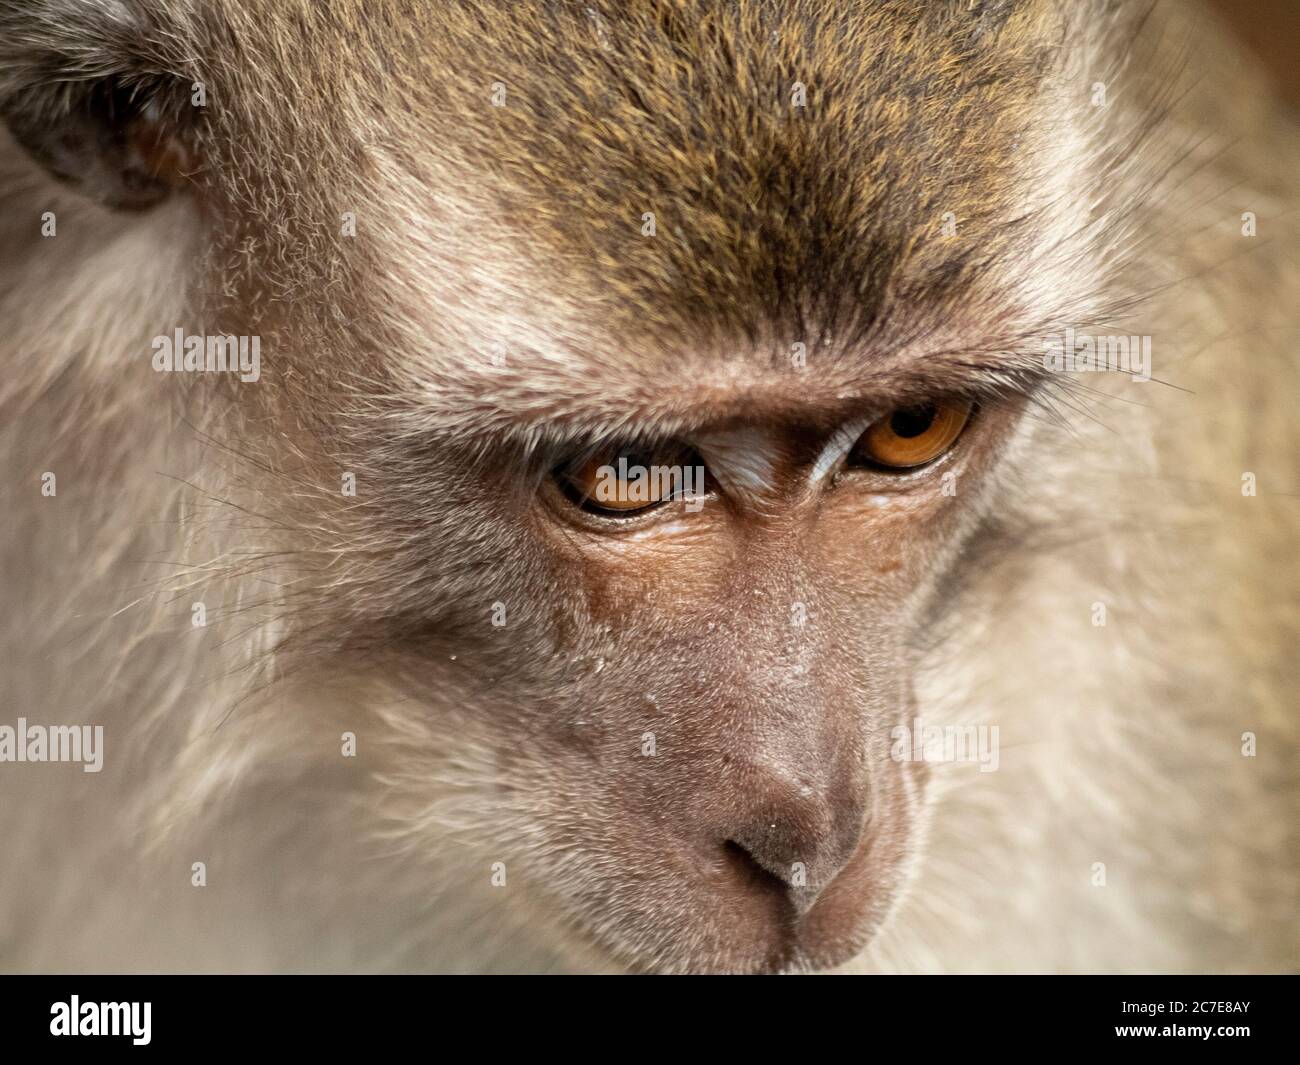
x,y
1272,29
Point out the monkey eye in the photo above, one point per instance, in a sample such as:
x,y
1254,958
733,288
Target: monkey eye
x,y
909,437
624,480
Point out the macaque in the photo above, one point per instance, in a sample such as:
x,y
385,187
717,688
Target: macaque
x,y
654,486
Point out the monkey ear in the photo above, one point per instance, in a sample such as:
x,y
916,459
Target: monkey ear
x,y
81,90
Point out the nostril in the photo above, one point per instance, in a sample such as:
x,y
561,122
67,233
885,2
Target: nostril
x,y
753,875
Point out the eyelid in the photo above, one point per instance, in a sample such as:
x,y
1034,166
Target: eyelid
x,y
838,448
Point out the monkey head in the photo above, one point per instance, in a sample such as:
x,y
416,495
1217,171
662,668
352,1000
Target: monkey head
x,y
674,354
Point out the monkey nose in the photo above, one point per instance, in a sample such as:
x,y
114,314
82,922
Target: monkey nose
x,y
794,840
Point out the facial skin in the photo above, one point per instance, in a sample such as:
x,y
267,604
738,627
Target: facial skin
x,y
775,616
711,736
489,248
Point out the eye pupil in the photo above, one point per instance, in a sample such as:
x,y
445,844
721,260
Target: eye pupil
x,y
912,421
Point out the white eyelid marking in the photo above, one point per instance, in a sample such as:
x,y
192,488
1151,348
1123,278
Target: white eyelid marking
x,y
745,459
839,445
656,532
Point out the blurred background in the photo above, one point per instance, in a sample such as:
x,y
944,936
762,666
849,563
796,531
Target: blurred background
x,y
1272,29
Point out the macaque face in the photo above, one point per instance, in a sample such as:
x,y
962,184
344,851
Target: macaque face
x,y
746,663
691,698
586,242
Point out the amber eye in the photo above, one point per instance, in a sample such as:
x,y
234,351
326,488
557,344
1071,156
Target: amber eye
x,y
911,436
623,480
